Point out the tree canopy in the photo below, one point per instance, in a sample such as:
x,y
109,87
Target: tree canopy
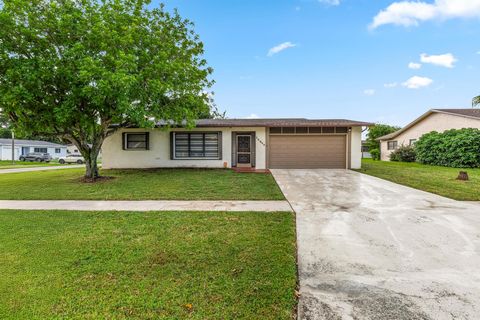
x,y
376,132
75,68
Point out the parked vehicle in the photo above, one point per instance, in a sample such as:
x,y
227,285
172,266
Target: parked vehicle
x,y
36,156
72,158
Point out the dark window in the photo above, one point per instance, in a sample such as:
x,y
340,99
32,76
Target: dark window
x,y
196,145
57,150
40,150
365,148
392,145
328,130
413,141
342,130
276,130
302,130
315,129
136,141
288,130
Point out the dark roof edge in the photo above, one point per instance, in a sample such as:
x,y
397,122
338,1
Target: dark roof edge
x,y
218,123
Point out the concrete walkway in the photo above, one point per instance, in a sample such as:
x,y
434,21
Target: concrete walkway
x,y
44,168
87,205
372,249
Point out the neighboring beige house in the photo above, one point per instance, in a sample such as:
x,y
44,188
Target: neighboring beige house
x,y
242,143
434,120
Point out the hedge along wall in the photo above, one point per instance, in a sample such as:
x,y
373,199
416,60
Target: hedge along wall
x,y
452,148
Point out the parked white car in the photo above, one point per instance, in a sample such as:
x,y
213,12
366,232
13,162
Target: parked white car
x,y
72,158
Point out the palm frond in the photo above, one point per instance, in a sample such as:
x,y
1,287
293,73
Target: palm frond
x,y
476,101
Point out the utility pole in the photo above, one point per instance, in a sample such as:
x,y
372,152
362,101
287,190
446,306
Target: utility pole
x,y
13,147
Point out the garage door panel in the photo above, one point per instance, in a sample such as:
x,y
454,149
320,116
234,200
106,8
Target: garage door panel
x,y
307,152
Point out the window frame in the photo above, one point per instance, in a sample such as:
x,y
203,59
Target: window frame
x,y
412,142
125,141
395,145
58,150
173,140
40,150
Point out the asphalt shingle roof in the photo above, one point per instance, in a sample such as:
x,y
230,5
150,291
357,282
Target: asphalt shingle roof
x,y
470,112
294,122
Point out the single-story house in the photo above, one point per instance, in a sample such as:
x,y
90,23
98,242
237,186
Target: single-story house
x,y
22,147
245,143
438,120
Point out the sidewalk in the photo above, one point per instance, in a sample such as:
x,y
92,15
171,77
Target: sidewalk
x,y
92,205
15,170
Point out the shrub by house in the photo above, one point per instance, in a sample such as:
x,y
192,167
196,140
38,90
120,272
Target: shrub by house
x,y
452,148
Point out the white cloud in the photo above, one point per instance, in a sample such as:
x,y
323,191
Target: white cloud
x,y
411,13
280,48
252,116
414,66
369,92
330,2
444,60
417,82
390,85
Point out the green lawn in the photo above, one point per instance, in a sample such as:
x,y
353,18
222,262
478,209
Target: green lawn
x,y
7,164
172,184
168,265
439,180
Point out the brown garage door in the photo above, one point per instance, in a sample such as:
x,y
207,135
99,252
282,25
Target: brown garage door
x,y
307,152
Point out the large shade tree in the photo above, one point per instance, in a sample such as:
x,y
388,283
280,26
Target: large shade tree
x,y
81,69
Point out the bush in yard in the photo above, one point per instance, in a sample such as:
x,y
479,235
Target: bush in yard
x,y
404,154
375,153
452,148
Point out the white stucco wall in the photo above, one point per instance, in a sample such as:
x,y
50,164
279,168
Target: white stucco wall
x,y
435,122
113,156
51,151
356,148
6,153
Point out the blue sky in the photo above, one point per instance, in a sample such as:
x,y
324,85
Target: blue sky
x,y
340,58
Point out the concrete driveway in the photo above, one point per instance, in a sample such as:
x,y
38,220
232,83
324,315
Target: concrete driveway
x,y
372,249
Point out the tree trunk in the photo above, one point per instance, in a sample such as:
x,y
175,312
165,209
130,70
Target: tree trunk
x,y
91,171
90,151
90,154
